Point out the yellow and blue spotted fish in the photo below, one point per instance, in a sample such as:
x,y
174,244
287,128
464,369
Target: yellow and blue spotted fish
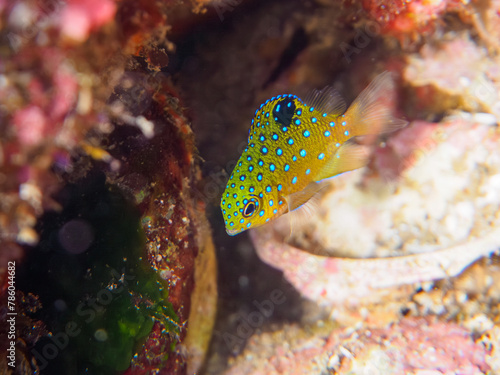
x,y
295,143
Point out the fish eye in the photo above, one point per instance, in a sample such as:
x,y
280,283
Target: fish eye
x,y
249,209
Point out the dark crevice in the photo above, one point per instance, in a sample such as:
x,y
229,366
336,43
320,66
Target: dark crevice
x,y
298,43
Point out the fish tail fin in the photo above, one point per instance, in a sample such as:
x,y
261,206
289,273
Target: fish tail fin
x,y
371,112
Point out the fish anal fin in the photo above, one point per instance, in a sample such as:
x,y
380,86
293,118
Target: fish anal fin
x,y
328,100
348,157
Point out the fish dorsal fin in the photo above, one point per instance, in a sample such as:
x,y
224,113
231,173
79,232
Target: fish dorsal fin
x,y
348,157
328,100
298,198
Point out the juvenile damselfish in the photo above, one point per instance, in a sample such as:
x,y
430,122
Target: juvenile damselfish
x,y
294,143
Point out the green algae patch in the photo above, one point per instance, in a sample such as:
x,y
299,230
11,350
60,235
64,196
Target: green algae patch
x,y
101,302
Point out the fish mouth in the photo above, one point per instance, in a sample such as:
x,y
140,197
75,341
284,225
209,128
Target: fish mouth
x,y
233,232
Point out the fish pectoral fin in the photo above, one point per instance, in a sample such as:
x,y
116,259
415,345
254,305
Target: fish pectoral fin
x,y
327,100
295,200
348,157
302,214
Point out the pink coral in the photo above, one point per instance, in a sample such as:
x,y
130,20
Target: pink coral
x,y
66,90
78,18
30,123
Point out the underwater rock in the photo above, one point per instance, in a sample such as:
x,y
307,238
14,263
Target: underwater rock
x,y
414,345
160,174
402,19
59,63
72,124
470,81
